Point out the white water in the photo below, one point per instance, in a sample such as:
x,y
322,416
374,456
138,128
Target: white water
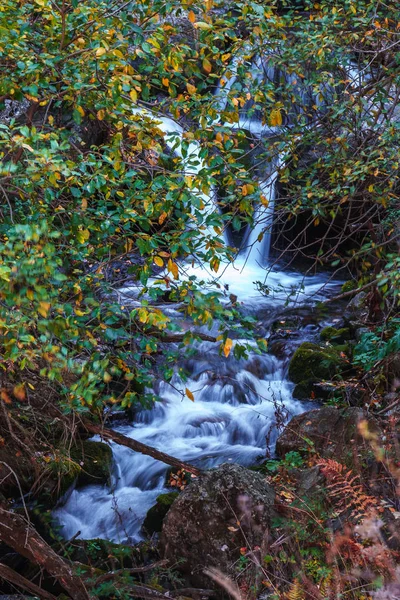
x,y
236,402
233,413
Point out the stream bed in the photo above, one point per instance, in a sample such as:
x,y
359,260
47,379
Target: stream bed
x,y
238,408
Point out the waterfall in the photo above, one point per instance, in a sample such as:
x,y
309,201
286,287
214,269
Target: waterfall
x,y
238,403
257,240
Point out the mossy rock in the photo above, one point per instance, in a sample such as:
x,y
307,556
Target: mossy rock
x,y
303,390
95,462
155,516
311,363
329,334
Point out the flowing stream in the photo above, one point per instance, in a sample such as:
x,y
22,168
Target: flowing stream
x,y
237,403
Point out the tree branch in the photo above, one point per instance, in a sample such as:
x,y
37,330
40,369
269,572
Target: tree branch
x,y
123,440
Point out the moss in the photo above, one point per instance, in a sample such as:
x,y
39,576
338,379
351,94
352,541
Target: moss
x,y
95,461
336,335
312,363
155,516
349,286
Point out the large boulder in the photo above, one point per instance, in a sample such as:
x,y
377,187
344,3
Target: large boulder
x,y
219,513
314,363
330,432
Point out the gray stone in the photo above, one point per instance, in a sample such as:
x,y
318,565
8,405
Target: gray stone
x,y
217,514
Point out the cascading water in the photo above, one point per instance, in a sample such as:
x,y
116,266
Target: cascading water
x,y
237,402
257,240
234,412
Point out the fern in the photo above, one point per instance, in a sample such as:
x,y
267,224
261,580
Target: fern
x,y
296,591
346,492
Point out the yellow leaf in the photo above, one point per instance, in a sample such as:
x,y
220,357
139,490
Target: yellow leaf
x,y
30,294
159,261
83,235
165,81
101,114
133,95
190,88
84,204
192,17
202,25
207,65
173,268
275,118
227,347
100,51
44,308
80,111
189,394
143,315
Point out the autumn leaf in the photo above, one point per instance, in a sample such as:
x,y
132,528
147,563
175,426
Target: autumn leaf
x,y
227,346
190,88
5,397
159,261
275,118
207,66
189,394
173,268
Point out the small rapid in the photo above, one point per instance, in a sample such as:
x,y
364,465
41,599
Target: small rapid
x,y
237,405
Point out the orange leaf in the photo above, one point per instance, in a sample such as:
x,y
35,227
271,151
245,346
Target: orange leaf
x,y
5,397
227,346
19,391
189,394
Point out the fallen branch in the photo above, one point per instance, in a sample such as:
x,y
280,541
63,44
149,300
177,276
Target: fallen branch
x,y
18,533
119,572
15,578
123,440
350,293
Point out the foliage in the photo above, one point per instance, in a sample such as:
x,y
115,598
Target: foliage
x,y
88,178
378,344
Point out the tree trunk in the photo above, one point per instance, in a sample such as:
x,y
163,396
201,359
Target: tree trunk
x,y
123,440
18,533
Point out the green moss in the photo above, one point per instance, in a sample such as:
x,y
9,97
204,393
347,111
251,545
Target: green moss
x,y
336,335
155,516
349,286
312,363
95,461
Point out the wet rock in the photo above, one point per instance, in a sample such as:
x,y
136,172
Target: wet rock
x,y
330,432
356,308
312,363
225,509
157,513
